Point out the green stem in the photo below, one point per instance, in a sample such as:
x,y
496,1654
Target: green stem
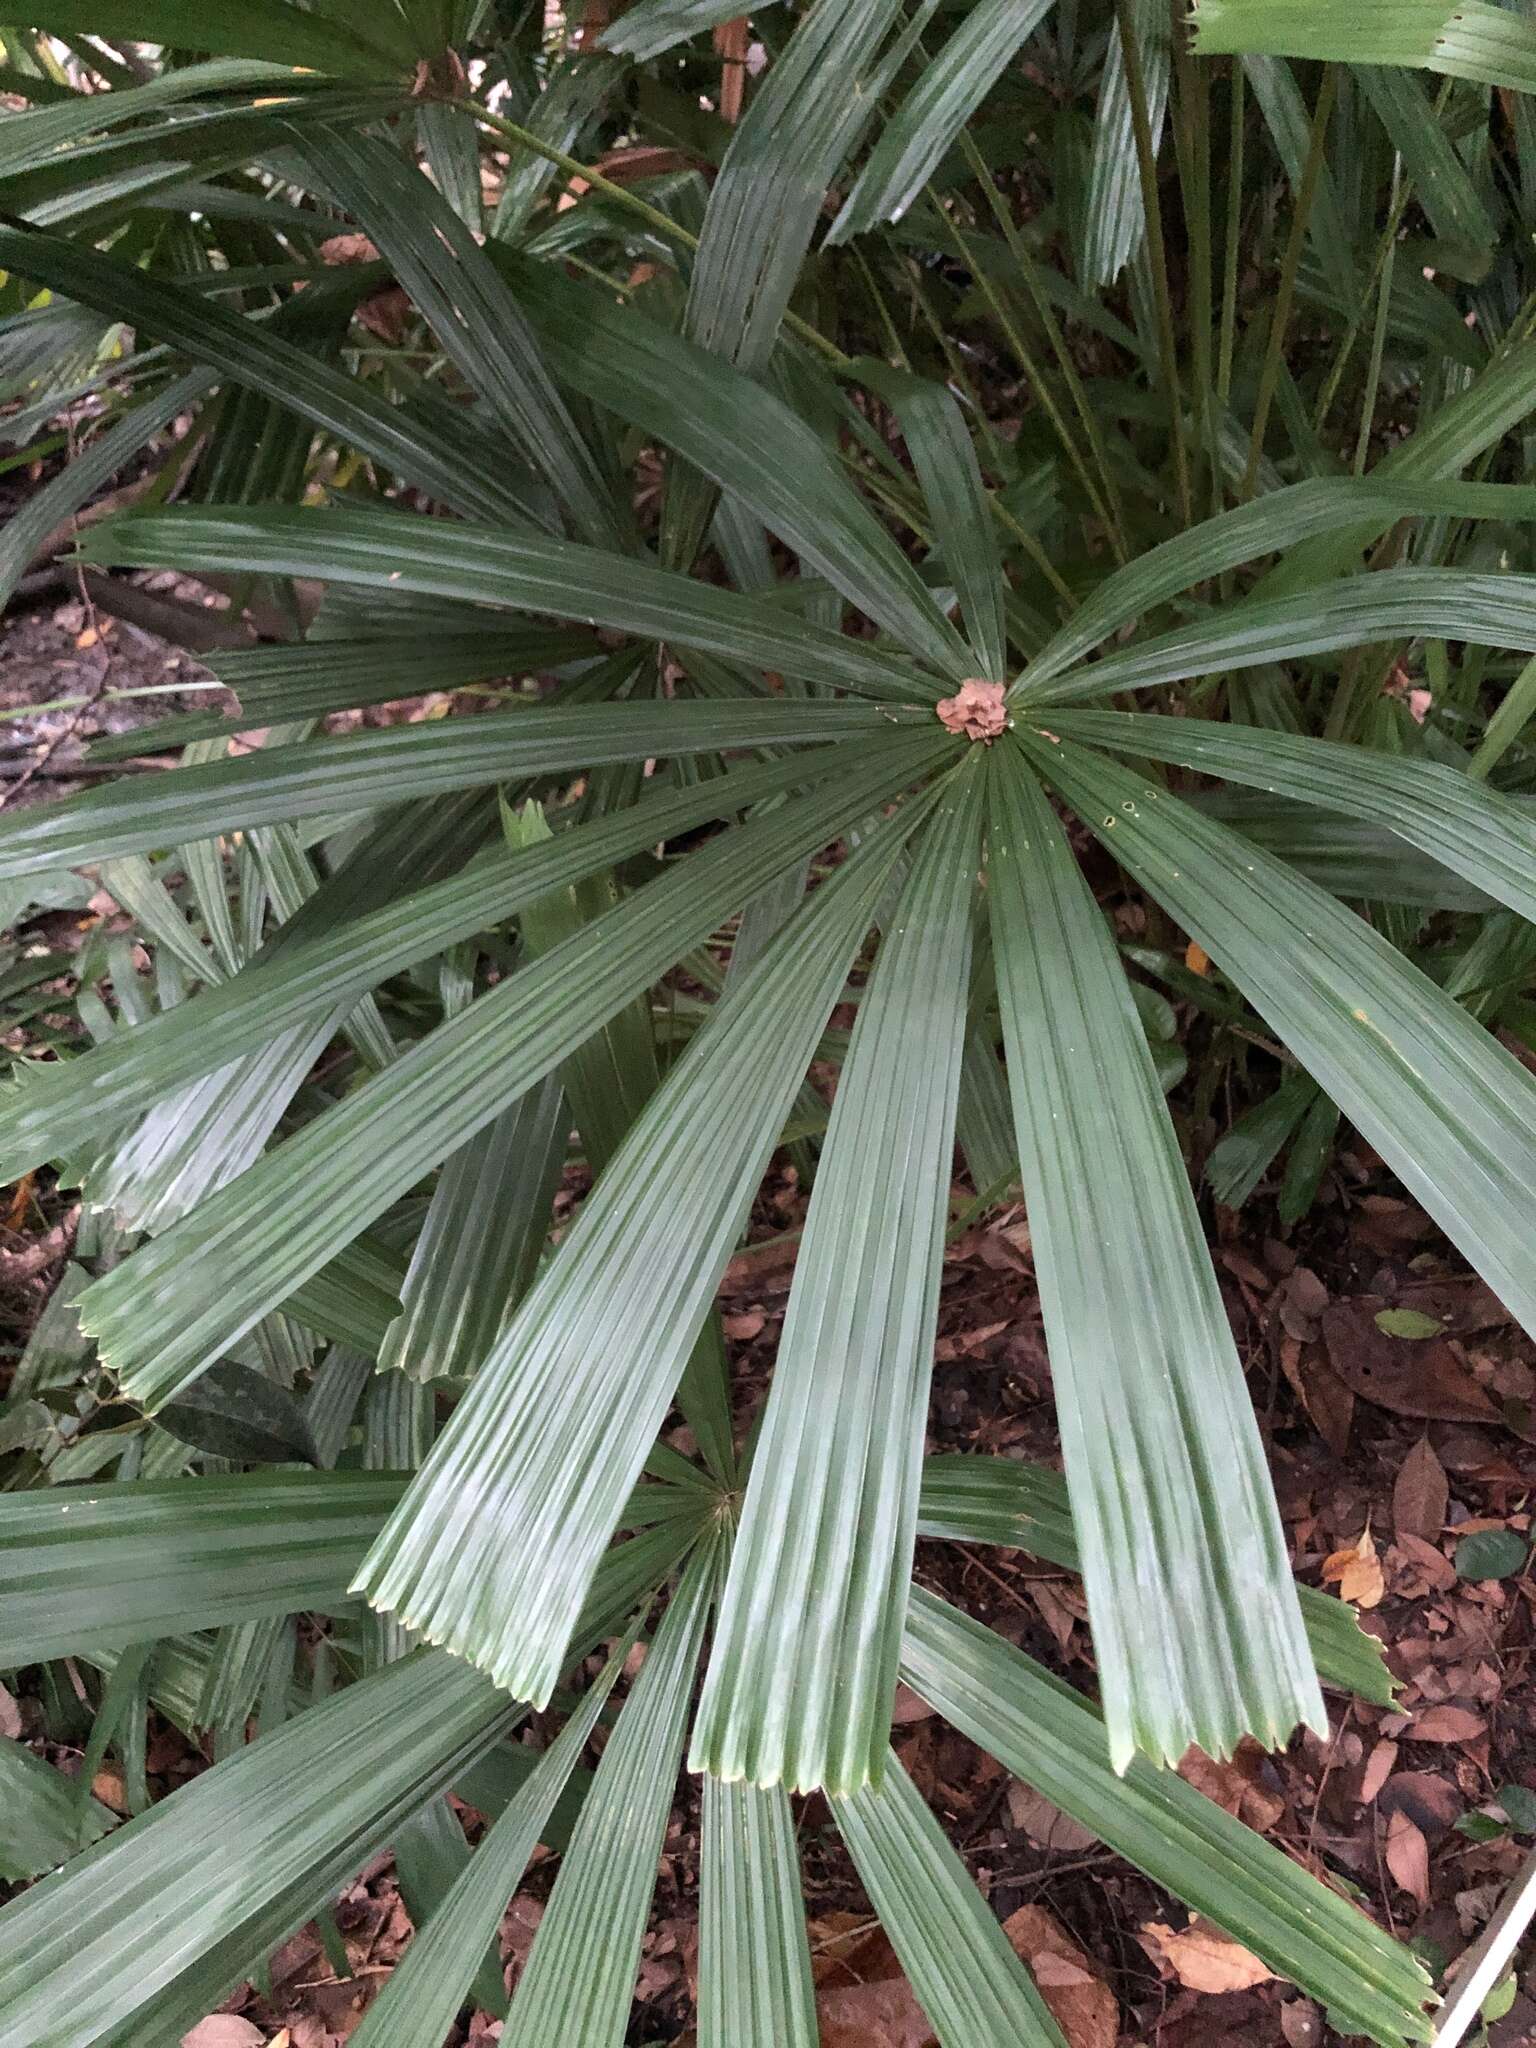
x,y
1194,106
960,376
1507,723
1270,373
651,215
1385,245
1378,342
893,344
1146,165
1110,508
1231,245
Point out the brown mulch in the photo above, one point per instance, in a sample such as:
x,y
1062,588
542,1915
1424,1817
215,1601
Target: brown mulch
x,y
1380,1808
1405,1464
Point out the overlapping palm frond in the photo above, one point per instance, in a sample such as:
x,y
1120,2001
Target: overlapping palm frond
x,y
744,711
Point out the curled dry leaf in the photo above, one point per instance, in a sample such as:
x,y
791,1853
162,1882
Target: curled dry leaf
x,y
1203,1958
1053,1611
108,1787
1083,2004
1300,1299
967,1343
1357,1573
1432,1803
1407,1855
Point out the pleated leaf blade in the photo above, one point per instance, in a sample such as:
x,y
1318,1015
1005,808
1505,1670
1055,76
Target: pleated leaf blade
x,y
1453,820
146,1558
755,1988
934,430
1242,533
949,89
423,1992
54,1108
579,1977
476,319
180,1301
1484,610
1459,38
972,1499
254,355
105,1942
480,1240
371,548
954,1953
803,1671
330,776
491,1550
1195,1621
1451,1111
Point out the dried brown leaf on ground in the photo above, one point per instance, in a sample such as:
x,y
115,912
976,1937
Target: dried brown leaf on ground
x,y
1322,1394
862,1999
1203,1958
908,1708
1407,1855
1448,1724
1419,1568
1421,1494
1357,1572
1054,1611
1430,1801
1425,1378
1378,1768
1238,1785
1082,2002
224,2030
108,1787
967,1343
1046,1825
1301,2023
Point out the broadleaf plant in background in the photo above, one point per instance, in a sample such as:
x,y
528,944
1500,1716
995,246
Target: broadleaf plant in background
x,y
932,548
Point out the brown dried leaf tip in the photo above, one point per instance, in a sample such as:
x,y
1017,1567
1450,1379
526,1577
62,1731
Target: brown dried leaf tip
x,y
977,710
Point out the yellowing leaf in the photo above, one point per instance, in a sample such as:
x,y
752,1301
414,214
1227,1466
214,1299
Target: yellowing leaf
x,y
1357,1573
